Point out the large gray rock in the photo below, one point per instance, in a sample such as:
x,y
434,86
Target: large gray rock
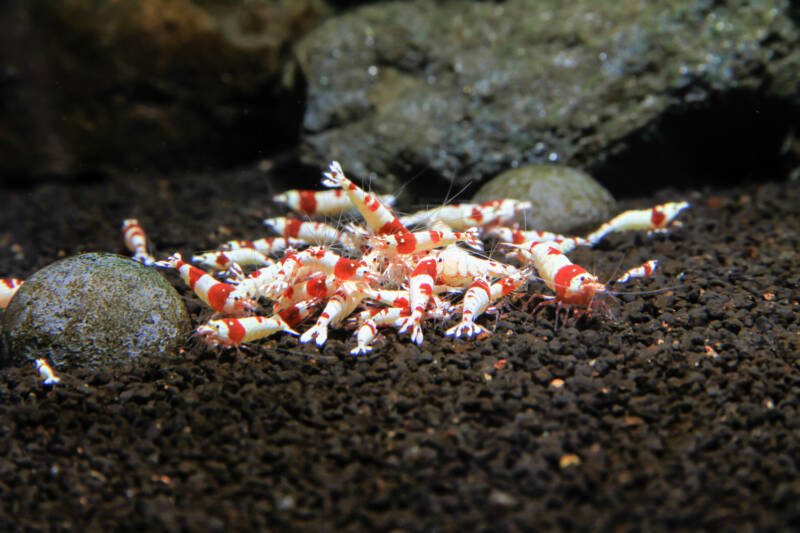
x,y
469,89
93,309
138,84
564,199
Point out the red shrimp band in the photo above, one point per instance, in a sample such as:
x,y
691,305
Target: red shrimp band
x,y
308,202
392,227
218,295
345,268
236,331
564,277
657,218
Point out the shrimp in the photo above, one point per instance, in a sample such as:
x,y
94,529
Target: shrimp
x,y
458,268
477,299
573,285
46,372
223,259
328,202
401,297
220,296
8,288
420,292
342,303
422,241
380,219
463,216
252,285
265,245
387,316
331,263
564,246
309,232
297,265
276,281
655,220
318,259
369,328
234,331
518,236
318,285
642,271
390,297
136,241
294,314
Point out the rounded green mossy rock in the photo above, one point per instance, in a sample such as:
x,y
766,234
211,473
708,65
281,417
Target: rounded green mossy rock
x,y
94,309
564,199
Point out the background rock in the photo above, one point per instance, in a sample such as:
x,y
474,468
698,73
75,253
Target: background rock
x,y
91,85
94,309
467,90
565,200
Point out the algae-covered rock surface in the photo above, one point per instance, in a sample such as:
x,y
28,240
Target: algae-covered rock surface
x,y
94,309
469,89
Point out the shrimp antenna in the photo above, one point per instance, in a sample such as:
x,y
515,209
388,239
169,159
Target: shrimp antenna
x,y
645,293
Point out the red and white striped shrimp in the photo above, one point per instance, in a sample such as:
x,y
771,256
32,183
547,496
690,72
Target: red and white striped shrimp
x,y
518,236
401,298
286,271
252,285
478,298
222,259
136,241
654,220
380,219
508,284
342,303
463,216
564,246
265,245
310,232
329,262
420,292
234,331
220,296
326,202
8,288
369,328
388,316
294,314
422,241
46,372
573,285
642,271
318,285
456,267
316,258
390,297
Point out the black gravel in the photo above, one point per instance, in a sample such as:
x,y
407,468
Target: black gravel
x,y
679,412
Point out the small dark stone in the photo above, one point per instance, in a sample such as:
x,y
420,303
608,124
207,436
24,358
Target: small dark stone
x,y
93,310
